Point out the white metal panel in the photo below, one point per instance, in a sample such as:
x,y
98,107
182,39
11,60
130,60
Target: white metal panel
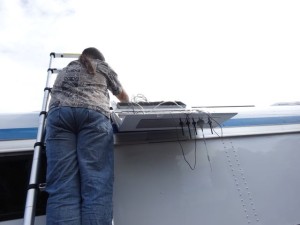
x,y
249,180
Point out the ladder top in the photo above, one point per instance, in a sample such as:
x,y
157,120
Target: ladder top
x,y
64,55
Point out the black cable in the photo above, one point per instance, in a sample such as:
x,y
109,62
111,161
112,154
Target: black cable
x,y
181,124
210,124
188,125
184,157
217,124
182,150
194,124
207,154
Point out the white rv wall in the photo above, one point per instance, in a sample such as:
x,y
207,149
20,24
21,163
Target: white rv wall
x,y
249,180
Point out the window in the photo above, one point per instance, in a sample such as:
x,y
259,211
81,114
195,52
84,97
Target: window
x,y
15,171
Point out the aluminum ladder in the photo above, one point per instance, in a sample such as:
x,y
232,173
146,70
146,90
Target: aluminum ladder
x,y
33,187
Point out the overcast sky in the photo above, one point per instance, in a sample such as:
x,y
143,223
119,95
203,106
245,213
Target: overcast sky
x,y
203,53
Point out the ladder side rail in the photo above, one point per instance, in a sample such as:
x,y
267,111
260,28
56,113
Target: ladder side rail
x,y
33,187
31,199
29,214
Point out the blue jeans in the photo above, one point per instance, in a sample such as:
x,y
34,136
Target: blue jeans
x,y
79,148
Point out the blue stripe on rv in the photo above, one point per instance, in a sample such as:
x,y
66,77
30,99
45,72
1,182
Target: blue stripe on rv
x,y
262,121
18,133
31,132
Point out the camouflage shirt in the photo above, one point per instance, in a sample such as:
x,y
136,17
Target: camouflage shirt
x,y
74,87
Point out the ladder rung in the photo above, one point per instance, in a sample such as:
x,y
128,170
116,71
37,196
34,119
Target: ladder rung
x,y
54,70
64,55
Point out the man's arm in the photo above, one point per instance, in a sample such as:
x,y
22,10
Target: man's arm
x,y
123,96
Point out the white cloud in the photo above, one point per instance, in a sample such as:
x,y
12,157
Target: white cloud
x,y
202,52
